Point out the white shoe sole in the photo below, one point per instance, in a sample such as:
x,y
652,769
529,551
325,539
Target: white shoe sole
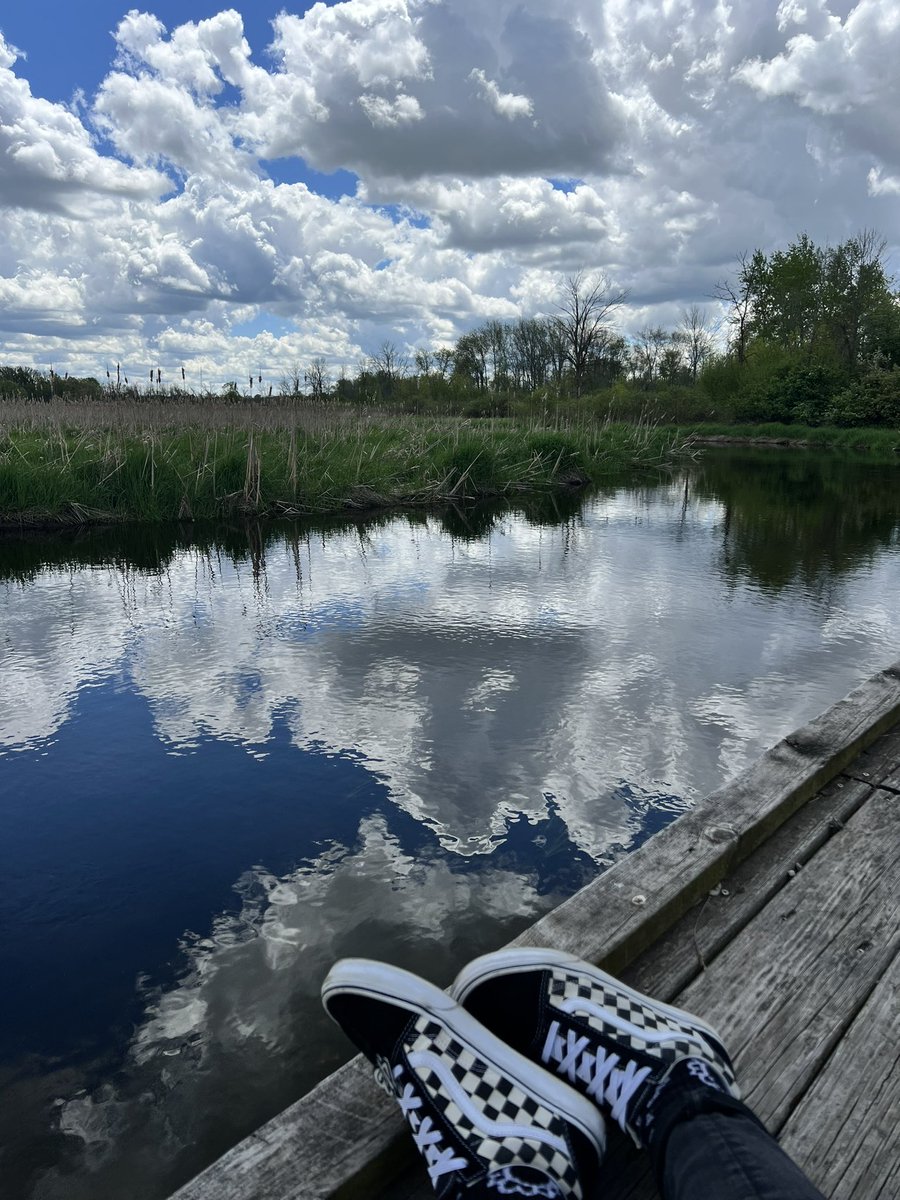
x,y
514,961
380,981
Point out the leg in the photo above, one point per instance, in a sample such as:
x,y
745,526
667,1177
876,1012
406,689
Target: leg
x,y
728,1155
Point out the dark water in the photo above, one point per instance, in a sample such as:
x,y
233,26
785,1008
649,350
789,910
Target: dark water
x,y
227,759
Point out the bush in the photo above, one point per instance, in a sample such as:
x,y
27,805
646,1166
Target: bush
x,y
793,394
874,399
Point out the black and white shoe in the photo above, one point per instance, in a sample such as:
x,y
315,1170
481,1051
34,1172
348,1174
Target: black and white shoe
x,y
620,1048
487,1121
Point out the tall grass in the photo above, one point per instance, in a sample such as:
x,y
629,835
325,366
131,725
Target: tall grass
x,y
138,461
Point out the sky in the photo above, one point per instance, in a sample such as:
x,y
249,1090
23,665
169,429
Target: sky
x,y
239,191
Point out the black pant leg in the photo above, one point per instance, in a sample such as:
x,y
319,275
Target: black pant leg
x,y
727,1155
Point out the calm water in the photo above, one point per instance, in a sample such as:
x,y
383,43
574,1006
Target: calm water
x,y
226,762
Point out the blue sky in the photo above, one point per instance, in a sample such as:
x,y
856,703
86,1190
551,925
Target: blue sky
x,y
70,49
71,46
403,170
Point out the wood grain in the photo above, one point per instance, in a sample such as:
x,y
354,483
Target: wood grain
x,y
846,1130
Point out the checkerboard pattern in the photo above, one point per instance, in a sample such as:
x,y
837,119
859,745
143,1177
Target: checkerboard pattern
x,y
566,985
499,1100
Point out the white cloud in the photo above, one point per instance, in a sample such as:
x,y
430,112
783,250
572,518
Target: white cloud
x,y
399,111
682,134
883,185
507,104
47,158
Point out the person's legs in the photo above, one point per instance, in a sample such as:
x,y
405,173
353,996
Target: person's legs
x,y
728,1155
662,1074
487,1120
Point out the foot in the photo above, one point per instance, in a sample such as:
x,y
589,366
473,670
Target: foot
x,y
487,1121
620,1048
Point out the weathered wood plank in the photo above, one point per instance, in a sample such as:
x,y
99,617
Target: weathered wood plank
x,y
787,988
347,1119
691,945
891,781
344,1134
879,761
847,1127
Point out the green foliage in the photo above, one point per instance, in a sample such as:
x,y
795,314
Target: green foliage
x,y
873,399
789,393
131,470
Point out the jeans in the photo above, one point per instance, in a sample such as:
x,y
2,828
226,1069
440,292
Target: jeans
x,y
720,1151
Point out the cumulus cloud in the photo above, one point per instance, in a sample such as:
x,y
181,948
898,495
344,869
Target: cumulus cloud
x,y
492,150
507,104
48,160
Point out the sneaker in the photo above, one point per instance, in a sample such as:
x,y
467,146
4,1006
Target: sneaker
x,y
486,1120
620,1048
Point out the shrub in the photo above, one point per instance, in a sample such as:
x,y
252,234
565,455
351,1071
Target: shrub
x,y
874,399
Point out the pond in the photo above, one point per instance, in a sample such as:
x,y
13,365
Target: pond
x,y
228,757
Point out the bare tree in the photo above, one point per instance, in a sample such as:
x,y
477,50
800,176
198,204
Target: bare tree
x,y
318,379
649,343
557,351
696,338
738,299
389,365
586,303
531,352
424,360
291,380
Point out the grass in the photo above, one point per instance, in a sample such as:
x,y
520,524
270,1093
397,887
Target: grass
x,y
874,441
131,460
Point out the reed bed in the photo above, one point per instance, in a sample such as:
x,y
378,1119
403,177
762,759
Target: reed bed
x,y
64,463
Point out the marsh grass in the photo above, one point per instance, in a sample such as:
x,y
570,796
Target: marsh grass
x,y
127,460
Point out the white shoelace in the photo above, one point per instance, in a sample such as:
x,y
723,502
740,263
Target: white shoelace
x,y
427,1138
605,1080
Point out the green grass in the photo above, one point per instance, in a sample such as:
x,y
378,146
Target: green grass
x,y
873,441
82,463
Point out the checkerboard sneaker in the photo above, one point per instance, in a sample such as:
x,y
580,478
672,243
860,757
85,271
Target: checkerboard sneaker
x,y
622,1049
487,1120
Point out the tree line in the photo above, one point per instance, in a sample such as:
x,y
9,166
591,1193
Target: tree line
x,y
805,334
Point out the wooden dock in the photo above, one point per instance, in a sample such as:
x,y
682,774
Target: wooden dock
x,y
772,909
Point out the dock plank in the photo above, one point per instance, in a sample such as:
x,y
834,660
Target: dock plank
x,y
847,1127
692,944
783,993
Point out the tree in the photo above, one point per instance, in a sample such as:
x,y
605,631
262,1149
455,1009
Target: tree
x,y
647,347
787,298
389,366
443,362
290,380
586,303
860,309
531,352
470,361
696,338
498,347
318,379
738,301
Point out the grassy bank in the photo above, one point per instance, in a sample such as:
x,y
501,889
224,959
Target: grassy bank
x,y
202,460
873,441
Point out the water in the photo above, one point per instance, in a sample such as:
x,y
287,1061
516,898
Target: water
x,y
226,761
